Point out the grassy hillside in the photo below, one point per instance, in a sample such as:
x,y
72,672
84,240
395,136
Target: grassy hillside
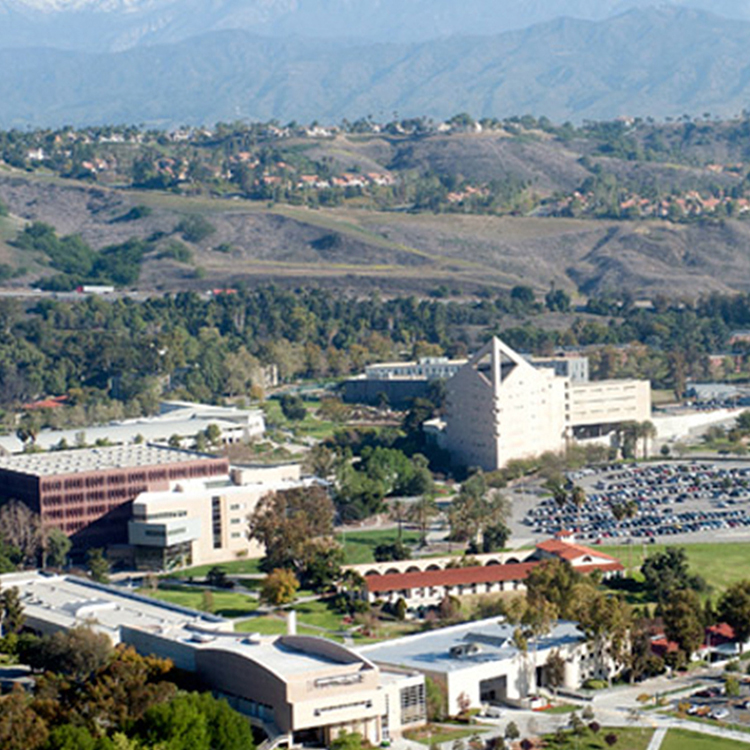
x,y
364,249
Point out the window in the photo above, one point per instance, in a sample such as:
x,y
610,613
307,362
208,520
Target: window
x,y
412,704
216,521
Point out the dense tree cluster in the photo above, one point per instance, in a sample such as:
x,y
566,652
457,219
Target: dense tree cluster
x,y
93,697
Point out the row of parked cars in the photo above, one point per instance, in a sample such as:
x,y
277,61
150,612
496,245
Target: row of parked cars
x,y
661,500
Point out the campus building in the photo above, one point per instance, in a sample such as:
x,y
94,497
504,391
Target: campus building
x,y
479,662
296,688
204,521
88,493
501,407
178,421
399,383
426,582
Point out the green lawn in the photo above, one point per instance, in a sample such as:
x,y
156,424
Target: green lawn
x,y
721,564
270,625
434,734
681,739
635,738
235,566
359,546
226,603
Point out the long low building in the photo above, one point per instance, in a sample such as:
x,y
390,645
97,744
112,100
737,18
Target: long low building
x,y
426,582
297,688
178,423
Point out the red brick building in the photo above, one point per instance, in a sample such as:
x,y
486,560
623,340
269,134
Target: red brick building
x,y
88,493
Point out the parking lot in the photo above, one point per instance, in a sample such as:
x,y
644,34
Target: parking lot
x,y
674,501
712,703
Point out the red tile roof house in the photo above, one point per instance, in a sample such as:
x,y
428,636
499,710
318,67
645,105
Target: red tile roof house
x,y
719,644
426,588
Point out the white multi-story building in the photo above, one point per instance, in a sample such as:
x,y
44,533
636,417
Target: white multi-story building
x,y
204,522
501,407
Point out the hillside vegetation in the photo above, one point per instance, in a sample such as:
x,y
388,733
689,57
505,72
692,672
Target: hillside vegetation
x,y
404,206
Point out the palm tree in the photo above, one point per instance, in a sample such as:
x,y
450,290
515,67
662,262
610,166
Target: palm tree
x,y
559,495
578,497
646,431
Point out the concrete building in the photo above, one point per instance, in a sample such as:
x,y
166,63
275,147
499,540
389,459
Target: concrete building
x,y
88,493
296,688
479,661
399,382
180,419
567,366
501,407
203,521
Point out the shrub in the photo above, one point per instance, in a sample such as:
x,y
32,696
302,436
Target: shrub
x,y
195,228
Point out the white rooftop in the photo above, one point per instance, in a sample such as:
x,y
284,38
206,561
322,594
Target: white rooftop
x,y
180,418
53,602
96,459
67,601
440,650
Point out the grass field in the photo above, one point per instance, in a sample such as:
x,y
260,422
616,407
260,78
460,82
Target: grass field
x,y
635,738
359,546
435,734
226,603
235,566
721,564
681,739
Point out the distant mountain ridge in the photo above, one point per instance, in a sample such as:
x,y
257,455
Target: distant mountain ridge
x,y
655,62
111,25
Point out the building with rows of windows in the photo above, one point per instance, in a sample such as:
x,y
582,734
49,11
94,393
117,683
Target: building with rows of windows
x,y
88,493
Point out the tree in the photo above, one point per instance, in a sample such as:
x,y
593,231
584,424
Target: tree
x,y
683,623
76,653
511,731
322,563
385,552
293,407
477,508
195,721
11,611
98,565
20,527
217,578
421,512
279,587
555,670
436,699
605,621
20,727
285,521
57,547
578,498
347,741
734,609
668,571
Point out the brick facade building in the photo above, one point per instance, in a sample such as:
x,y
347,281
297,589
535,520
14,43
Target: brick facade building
x,y
88,493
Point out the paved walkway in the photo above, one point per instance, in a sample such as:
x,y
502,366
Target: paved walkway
x,y
657,739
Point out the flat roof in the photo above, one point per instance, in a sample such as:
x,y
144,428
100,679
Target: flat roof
x,y
431,651
68,601
98,459
63,602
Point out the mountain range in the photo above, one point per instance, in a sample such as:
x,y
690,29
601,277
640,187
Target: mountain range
x,y
114,25
645,62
